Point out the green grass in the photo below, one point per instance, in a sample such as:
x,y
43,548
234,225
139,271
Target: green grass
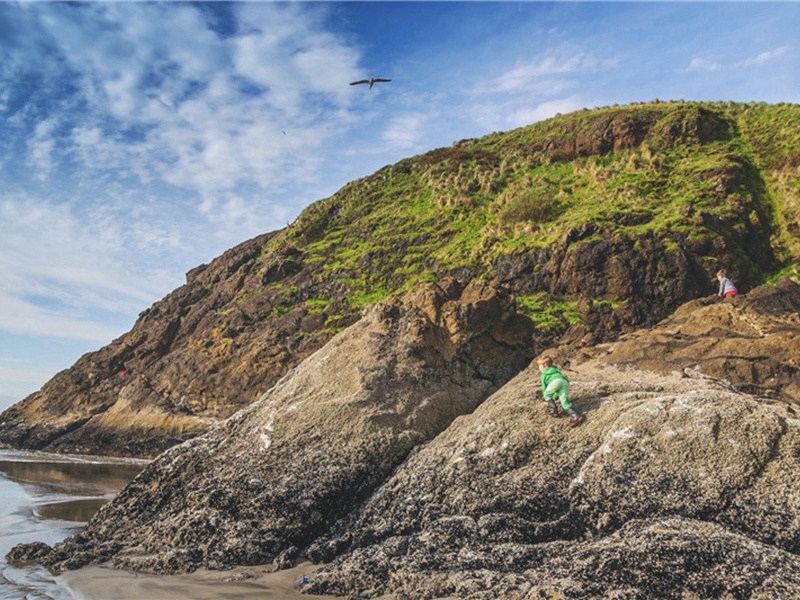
x,y
549,314
791,271
464,207
318,305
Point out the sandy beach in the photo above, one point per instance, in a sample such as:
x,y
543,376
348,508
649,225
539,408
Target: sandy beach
x,y
242,583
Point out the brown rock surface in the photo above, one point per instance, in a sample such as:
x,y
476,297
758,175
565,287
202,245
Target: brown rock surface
x,y
670,483
380,454
274,476
189,361
752,341
215,344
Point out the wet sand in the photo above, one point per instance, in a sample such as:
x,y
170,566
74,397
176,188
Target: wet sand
x,y
242,583
46,497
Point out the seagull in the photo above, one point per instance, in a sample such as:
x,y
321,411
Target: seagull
x,y
370,81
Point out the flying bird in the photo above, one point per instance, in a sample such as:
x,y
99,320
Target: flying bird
x,y
370,81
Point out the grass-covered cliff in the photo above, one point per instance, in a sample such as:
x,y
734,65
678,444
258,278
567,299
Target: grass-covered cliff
x,y
599,222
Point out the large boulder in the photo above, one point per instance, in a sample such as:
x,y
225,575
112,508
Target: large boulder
x,y
688,473
669,558
273,477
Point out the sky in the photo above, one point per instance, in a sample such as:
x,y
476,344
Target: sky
x,y
139,140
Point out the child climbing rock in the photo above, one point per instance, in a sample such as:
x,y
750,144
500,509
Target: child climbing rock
x,y
726,287
555,384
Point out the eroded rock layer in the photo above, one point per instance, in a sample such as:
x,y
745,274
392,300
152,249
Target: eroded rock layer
x,y
406,457
276,475
752,341
600,222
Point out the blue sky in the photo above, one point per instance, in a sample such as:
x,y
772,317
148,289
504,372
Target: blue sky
x,y
140,140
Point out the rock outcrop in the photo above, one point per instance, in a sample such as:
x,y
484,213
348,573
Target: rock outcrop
x,y
671,485
181,368
608,220
751,341
276,475
382,456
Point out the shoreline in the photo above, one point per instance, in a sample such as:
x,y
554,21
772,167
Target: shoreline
x,y
26,455
241,583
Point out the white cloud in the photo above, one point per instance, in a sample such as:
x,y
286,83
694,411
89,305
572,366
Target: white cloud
x,y
540,75
162,97
59,271
23,318
537,89
20,378
519,113
768,56
21,372
700,64
182,142
40,149
545,110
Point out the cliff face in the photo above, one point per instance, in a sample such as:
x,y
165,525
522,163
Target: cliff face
x,y
397,455
751,341
510,503
277,474
678,484
599,222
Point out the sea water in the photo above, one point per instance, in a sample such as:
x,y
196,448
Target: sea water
x,y
47,497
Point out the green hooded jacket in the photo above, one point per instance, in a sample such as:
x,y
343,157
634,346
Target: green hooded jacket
x,y
549,374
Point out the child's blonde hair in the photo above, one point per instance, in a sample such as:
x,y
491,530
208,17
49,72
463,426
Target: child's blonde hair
x,y
721,273
545,361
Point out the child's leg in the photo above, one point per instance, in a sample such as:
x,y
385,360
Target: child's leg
x,y
563,396
558,388
562,392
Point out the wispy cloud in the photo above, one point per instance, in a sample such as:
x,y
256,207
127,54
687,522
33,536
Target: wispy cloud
x,y
59,271
767,56
405,131
185,105
152,131
700,64
537,89
544,74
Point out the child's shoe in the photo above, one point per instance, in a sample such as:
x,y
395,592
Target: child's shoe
x,y
577,418
552,410
577,421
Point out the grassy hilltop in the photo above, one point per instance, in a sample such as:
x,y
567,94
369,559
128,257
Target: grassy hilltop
x,y
719,179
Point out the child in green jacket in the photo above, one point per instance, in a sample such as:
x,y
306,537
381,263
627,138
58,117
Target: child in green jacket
x,y
555,384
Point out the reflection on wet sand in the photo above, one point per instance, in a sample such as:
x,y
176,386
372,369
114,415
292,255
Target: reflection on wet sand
x,y
243,583
46,497
79,511
71,477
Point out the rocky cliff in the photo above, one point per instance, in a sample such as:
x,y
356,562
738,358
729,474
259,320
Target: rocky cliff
x,y
670,486
599,222
387,461
751,341
277,474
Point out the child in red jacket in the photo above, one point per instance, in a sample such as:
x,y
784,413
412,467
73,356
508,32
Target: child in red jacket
x,y
726,287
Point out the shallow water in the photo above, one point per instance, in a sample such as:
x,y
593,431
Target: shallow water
x,y
47,497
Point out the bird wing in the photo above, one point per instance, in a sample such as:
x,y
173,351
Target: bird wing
x,y
362,81
376,79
